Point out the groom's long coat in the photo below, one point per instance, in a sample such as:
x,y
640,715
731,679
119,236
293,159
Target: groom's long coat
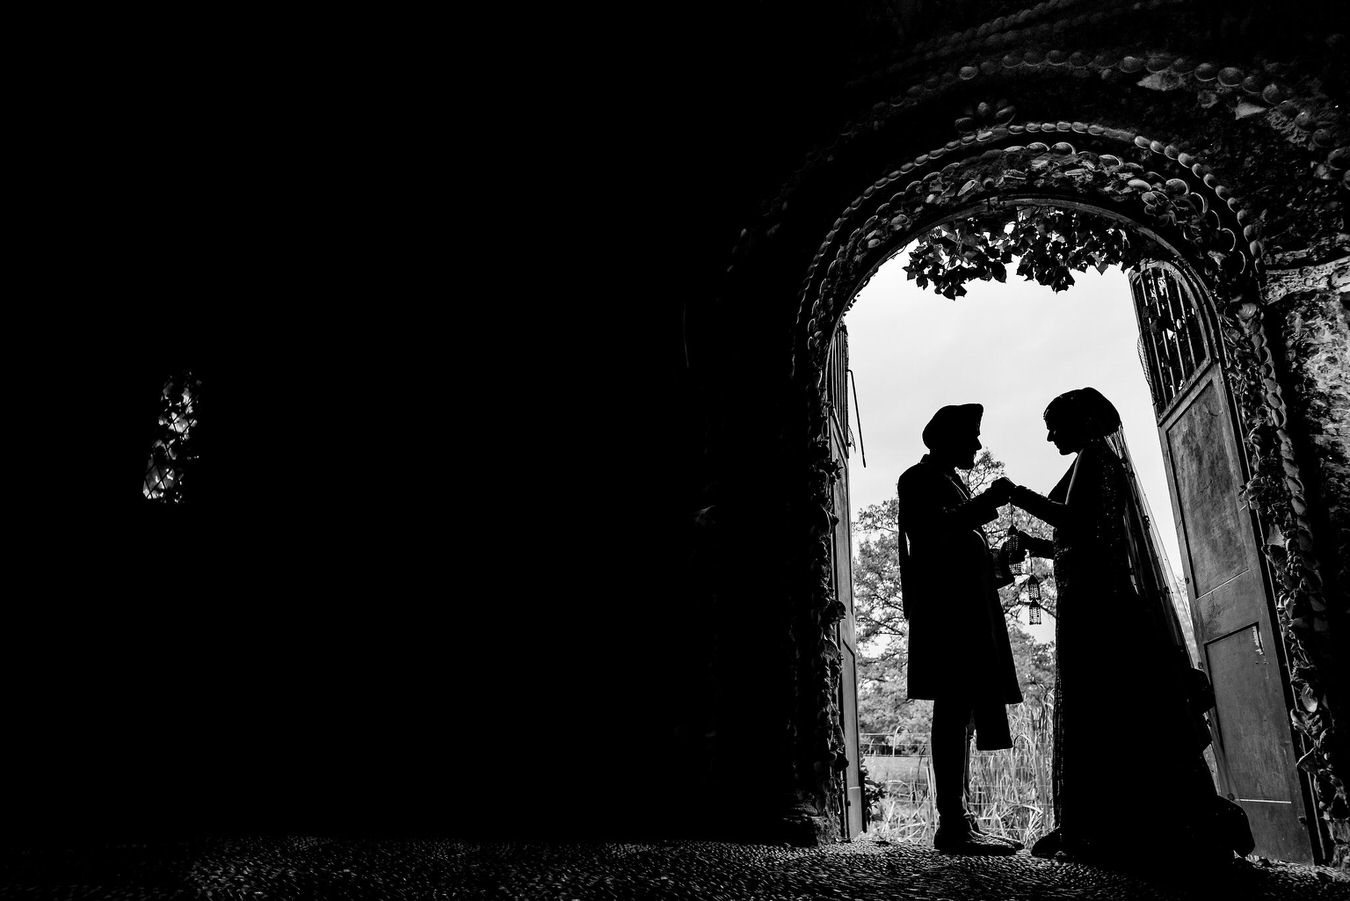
x,y
958,638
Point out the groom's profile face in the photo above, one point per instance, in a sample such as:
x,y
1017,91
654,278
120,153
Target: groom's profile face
x,y
961,452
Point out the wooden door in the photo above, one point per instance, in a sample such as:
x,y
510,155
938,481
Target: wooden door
x,y
1227,582
851,808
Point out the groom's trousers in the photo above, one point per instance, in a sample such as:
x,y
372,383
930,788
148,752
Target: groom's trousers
x,y
953,720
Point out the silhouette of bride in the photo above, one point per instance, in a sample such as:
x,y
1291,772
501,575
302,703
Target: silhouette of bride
x,y
1129,718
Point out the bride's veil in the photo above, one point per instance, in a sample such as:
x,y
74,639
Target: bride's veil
x,y
1167,608
1149,567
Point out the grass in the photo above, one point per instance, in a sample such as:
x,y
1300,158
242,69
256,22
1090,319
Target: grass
x,y
1010,790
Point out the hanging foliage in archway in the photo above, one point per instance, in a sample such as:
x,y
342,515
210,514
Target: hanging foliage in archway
x,y
1049,245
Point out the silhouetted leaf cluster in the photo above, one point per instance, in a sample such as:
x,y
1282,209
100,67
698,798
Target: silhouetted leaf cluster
x,y
1049,246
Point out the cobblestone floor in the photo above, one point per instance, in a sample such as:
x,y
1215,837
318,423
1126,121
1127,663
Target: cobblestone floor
x,y
305,867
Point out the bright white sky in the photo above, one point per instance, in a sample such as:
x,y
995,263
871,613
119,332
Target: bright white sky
x,y
1011,347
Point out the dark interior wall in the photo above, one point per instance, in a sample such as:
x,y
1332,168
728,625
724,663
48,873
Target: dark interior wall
x,y
281,652
277,653
443,515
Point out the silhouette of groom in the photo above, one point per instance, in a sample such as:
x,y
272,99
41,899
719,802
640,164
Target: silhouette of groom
x,y
959,654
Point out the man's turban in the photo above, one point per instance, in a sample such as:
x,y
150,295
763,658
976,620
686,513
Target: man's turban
x,y
952,424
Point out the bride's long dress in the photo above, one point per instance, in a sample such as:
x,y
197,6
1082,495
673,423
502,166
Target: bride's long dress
x,y
1129,773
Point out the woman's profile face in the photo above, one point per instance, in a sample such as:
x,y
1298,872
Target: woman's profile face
x,y
1064,433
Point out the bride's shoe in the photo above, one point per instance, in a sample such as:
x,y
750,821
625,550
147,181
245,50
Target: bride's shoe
x,y
1047,845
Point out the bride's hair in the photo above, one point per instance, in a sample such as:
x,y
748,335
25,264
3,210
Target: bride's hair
x,y
1089,407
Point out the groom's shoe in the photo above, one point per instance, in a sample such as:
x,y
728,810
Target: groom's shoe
x,y
975,827
961,840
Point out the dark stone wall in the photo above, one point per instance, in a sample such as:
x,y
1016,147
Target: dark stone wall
x,y
1310,304
1310,315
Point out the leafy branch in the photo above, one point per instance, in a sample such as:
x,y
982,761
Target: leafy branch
x,y
1049,246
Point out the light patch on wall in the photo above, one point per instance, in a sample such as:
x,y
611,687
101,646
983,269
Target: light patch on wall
x,y
172,452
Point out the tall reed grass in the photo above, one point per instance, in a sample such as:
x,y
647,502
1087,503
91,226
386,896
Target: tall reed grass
x,y
1010,790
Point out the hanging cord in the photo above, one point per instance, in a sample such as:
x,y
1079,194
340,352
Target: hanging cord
x,y
857,415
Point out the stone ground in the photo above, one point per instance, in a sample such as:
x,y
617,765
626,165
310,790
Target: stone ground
x,y
258,869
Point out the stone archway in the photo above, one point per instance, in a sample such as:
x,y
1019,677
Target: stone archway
x,y
1239,175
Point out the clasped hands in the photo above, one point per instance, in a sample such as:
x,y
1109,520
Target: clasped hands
x,y
1001,491
1017,542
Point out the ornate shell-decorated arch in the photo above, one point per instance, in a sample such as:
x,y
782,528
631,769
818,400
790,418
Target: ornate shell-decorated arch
x,y
1226,169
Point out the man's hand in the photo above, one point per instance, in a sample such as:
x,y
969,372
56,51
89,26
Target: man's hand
x,y
1001,491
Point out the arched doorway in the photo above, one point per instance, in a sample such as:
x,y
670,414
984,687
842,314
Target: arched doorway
x,y
1231,584
1189,402
887,178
